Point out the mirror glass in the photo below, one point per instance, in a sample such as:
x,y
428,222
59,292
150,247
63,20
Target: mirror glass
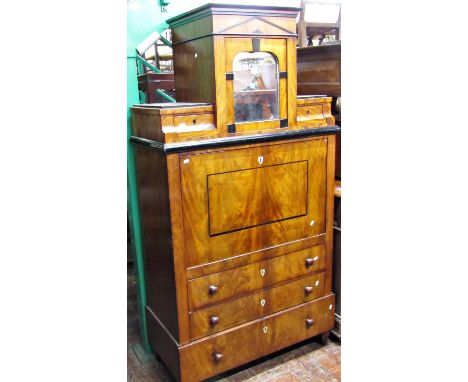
x,y
256,79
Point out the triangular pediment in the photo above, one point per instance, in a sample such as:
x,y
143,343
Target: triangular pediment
x,y
256,25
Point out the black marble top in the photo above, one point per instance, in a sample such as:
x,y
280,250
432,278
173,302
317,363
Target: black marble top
x,y
171,105
235,140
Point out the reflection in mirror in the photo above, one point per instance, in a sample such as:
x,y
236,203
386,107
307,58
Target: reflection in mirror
x,y
256,96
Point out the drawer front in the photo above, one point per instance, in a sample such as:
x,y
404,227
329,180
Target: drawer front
x,y
311,115
237,201
300,323
234,347
308,112
193,121
235,282
261,303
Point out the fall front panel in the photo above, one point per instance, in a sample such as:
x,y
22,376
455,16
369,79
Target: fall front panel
x,y
236,201
248,198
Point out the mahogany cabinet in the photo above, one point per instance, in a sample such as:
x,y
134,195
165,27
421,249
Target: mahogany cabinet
x,y
237,221
149,83
319,72
237,244
336,281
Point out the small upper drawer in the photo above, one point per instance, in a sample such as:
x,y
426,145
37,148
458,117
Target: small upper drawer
x,y
311,115
194,121
173,122
309,112
235,282
258,304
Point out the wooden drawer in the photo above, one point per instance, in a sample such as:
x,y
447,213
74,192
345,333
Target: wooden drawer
x,y
237,281
233,347
262,303
309,112
238,201
311,115
194,121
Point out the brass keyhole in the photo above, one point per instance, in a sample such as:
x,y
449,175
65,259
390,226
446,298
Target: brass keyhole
x,y
262,272
262,302
265,329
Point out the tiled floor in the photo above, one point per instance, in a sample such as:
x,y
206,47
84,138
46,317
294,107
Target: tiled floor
x,y
306,362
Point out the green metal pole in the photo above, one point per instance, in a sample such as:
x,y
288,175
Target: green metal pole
x,y
134,212
143,18
148,65
165,41
165,95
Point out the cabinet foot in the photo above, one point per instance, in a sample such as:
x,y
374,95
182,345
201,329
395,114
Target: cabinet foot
x,y
323,338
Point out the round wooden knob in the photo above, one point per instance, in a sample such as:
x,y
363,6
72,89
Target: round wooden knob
x,y
214,320
217,357
309,262
212,289
309,322
308,290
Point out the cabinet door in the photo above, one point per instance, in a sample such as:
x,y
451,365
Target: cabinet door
x,y
236,201
256,93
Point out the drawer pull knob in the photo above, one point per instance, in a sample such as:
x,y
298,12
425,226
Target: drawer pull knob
x,y
262,272
309,322
214,320
309,262
308,290
217,357
212,289
262,302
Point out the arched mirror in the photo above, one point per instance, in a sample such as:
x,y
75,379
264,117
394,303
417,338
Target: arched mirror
x,y
256,81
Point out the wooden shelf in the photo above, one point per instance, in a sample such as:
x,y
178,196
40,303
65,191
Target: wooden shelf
x,y
260,91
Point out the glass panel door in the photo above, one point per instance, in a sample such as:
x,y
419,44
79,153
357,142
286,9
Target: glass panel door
x,y
256,80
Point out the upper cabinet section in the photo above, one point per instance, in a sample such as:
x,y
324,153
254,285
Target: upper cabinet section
x,y
238,20
235,75
243,60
